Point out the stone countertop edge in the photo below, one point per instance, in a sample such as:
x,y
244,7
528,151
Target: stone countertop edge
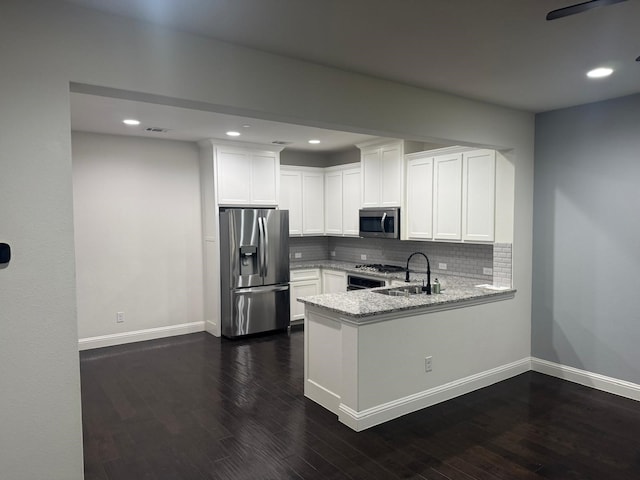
x,y
457,291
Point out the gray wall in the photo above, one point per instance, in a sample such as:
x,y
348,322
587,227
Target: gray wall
x,y
586,255
303,158
53,44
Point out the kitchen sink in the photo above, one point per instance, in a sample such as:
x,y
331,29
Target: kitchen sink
x,y
401,291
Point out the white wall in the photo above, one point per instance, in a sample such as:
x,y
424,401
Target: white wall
x,y
586,257
138,233
49,44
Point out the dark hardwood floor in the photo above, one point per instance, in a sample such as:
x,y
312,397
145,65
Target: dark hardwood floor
x,y
197,407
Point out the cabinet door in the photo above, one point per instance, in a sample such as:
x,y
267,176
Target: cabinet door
x,y
312,203
447,197
351,202
333,203
391,176
234,176
371,178
334,281
478,195
420,198
264,179
291,199
303,288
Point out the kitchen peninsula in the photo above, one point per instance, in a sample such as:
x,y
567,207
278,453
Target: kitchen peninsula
x,y
371,357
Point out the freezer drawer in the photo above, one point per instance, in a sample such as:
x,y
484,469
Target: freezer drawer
x,y
255,310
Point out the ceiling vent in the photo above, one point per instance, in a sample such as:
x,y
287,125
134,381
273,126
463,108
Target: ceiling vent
x,y
281,142
156,129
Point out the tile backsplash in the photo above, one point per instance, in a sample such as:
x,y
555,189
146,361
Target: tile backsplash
x,y
309,248
465,259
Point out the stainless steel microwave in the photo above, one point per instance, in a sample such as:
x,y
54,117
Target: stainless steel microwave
x,y
380,222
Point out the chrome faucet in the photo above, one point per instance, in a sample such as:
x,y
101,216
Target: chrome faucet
x,y
426,288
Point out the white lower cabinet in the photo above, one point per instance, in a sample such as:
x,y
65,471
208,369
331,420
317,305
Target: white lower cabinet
x,y
303,283
334,281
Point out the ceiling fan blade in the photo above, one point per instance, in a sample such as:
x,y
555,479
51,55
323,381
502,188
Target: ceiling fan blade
x,y
579,8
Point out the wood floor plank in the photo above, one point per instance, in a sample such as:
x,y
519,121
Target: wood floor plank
x,y
200,408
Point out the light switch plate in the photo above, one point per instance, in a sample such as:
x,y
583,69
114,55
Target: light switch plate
x,y
442,266
297,255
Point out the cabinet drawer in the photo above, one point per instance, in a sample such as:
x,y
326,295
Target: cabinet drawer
x,y
305,274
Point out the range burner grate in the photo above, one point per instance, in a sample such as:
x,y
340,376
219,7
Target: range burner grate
x,y
380,268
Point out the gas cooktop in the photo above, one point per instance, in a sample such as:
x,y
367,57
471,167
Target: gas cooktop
x,y
380,268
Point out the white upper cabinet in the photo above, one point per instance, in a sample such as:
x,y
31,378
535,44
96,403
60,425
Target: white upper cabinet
x,y
478,195
451,195
392,175
265,172
371,178
313,202
351,202
342,200
333,203
321,201
291,198
419,208
447,197
246,176
234,176
382,164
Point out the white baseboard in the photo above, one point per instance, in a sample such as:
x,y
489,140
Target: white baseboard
x,y
139,335
388,411
589,379
322,396
213,328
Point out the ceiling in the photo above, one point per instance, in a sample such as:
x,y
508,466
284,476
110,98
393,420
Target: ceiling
x,y
92,113
499,51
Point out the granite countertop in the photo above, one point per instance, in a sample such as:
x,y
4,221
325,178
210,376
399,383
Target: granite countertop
x,y
345,267
358,304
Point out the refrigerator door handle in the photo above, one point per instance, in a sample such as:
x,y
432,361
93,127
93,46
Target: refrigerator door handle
x,y
269,288
261,259
265,232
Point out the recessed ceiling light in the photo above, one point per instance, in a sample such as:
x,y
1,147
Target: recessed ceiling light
x,y
600,72
131,121
314,141
246,125
233,134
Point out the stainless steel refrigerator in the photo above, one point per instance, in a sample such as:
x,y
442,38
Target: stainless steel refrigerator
x,y
254,270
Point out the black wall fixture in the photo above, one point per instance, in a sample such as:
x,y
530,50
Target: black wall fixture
x,y
579,8
5,254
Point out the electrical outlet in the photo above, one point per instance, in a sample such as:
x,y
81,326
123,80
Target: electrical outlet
x,y
333,253
363,256
297,255
442,266
428,364
120,317
487,271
